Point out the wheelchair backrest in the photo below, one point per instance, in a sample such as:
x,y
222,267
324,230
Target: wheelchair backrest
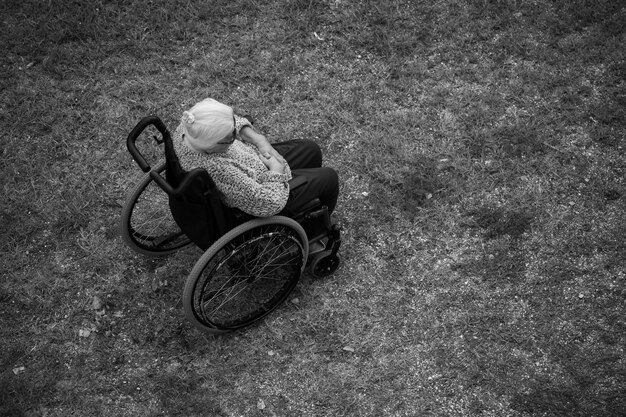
x,y
196,207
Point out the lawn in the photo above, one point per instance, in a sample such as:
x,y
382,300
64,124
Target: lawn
x,y
480,146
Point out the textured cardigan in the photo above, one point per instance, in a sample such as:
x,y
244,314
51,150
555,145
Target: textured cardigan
x,y
239,174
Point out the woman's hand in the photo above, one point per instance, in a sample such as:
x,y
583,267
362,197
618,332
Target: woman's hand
x,y
269,150
272,163
270,157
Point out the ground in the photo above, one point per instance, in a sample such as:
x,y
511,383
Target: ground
x,y
480,146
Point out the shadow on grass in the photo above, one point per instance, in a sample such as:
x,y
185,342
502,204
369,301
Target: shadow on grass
x,y
417,186
590,386
501,261
577,369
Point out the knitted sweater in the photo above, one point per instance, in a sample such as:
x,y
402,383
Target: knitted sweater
x,y
239,174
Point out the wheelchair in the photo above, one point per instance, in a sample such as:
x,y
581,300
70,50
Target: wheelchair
x,y
250,265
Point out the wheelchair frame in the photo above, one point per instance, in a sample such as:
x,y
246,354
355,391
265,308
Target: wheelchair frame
x,y
250,265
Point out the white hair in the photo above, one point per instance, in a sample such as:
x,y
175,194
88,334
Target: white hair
x,y
206,123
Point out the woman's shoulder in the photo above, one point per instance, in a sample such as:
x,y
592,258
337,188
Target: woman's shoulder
x,y
177,139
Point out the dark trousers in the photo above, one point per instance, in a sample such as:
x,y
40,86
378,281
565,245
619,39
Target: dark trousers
x,y
305,159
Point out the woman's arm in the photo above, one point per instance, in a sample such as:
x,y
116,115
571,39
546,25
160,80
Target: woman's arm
x,y
248,134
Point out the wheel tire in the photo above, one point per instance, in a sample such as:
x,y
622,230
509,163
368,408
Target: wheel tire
x,y
324,264
245,274
146,224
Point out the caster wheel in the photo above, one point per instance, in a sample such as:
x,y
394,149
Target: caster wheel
x,y
324,264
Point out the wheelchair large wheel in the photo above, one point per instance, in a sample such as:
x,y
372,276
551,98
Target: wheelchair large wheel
x,y
147,225
245,274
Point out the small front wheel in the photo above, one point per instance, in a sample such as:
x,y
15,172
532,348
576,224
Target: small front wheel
x,y
325,264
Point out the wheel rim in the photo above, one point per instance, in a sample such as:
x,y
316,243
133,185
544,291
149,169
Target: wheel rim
x,y
249,277
149,226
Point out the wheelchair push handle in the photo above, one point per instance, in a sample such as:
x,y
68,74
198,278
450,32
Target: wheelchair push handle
x,y
134,134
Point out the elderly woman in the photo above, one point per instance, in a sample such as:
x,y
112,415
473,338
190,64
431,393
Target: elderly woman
x,y
252,174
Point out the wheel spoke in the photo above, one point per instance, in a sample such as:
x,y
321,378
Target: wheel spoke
x,y
229,296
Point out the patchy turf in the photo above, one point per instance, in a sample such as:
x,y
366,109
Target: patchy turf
x,y
480,145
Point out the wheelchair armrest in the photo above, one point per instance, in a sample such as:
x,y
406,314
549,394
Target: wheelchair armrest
x,y
185,183
296,182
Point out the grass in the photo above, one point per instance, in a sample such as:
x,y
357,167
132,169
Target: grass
x,y
480,145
